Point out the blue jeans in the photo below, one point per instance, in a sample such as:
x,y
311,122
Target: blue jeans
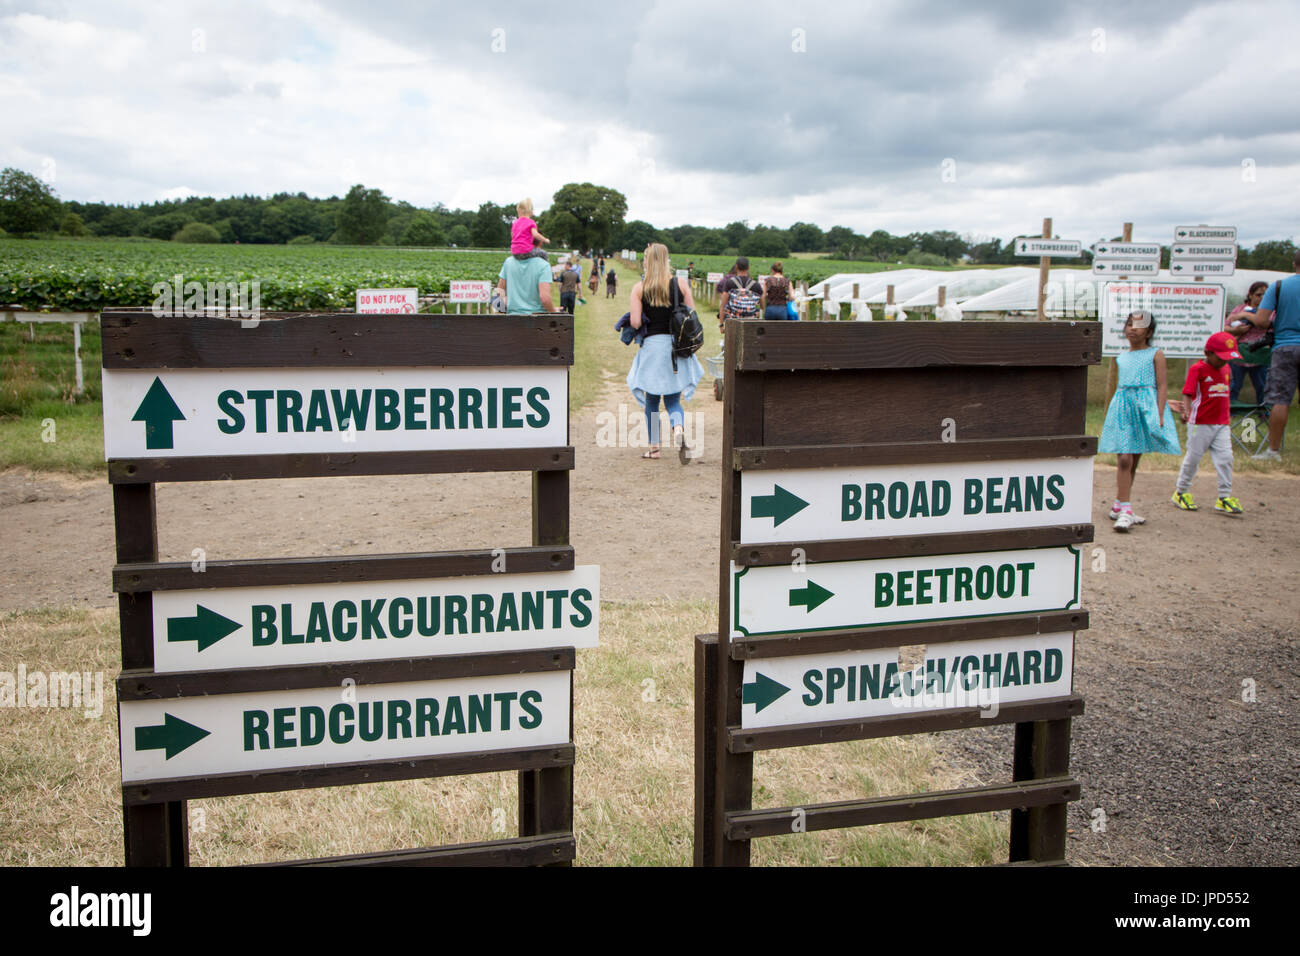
x,y
1258,377
676,416
776,313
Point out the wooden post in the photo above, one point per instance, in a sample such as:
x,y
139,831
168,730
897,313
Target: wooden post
x,y
943,296
1112,367
1043,264
889,300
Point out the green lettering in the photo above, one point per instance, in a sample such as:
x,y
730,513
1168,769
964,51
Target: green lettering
x,y
541,415
318,412
288,408
264,631
850,502
529,700
387,417
255,734
227,401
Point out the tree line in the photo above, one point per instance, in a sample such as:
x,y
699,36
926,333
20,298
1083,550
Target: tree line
x,y
580,215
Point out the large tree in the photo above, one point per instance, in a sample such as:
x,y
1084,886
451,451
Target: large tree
x,y
363,217
597,210
491,227
27,205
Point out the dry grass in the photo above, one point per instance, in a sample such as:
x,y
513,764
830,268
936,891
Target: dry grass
x,y
60,797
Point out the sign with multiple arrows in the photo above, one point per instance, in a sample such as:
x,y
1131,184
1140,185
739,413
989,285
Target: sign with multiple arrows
x,y
153,413
1203,251
853,595
855,685
221,628
823,504
1068,248
267,730
1126,258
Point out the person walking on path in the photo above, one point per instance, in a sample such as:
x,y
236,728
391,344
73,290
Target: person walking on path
x,y
611,283
1208,415
741,295
653,375
1136,419
569,281
526,285
776,293
1283,298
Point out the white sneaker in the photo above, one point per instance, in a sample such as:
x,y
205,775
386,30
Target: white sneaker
x,y
1124,521
1267,454
1138,519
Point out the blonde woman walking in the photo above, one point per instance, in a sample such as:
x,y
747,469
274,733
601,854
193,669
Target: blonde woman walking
x,y
652,375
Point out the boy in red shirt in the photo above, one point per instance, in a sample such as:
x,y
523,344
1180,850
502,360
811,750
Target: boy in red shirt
x,y
1208,386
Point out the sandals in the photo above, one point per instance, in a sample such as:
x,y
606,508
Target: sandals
x,y
652,454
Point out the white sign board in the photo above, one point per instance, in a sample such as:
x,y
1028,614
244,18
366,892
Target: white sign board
x,y
1186,315
1192,268
1125,267
153,413
1203,251
854,685
1195,233
716,277
823,504
851,595
470,291
232,733
221,628
684,274
1049,247
1127,250
387,301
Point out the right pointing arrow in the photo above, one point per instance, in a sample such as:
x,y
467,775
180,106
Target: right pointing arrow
x,y
781,505
173,735
762,691
812,597
206,628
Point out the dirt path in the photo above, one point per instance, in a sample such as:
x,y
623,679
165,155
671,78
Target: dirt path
x,y
1188,607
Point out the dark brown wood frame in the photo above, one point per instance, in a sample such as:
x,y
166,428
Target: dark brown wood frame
x,y
843,379
155,813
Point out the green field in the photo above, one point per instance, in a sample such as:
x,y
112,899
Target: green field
x,y
798,269
91,275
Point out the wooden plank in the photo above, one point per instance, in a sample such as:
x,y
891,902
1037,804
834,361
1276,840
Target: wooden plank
x,y
376,771
912,453
230,467
892,405
777,821
733,785
146,685
886,345
912,545
140,339
706,746
267,572
522,851
908,635
829,732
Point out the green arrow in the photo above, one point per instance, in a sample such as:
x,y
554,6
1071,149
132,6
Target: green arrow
x,y
781,505
812,597
762,691
206,627
172,735
158,410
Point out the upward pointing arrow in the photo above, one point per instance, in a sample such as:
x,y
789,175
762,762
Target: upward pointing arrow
x,y
173,735
812,597
205,627
781,505
158,410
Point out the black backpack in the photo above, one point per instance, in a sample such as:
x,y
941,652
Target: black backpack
x,y
684,325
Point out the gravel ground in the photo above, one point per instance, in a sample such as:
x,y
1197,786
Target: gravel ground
x,y
1185,771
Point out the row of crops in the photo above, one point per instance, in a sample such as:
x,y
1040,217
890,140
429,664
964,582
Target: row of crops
x,y
91,275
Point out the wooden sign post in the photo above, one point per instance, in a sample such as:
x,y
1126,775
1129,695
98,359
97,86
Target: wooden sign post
x,y
953,518
256,675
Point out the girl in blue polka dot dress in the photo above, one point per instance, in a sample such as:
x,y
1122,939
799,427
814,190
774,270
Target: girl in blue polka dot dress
x,y
1137,420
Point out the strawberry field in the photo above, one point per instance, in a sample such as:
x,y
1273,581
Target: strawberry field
x,y
91,275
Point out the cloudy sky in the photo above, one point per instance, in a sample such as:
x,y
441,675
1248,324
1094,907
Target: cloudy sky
x,y
912,115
